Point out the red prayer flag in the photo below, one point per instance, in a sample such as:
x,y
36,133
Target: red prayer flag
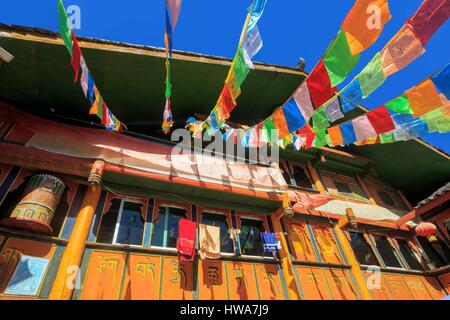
x,y
226,101
429,18
319,85
104,113
381,120
76,55
309,134
186,239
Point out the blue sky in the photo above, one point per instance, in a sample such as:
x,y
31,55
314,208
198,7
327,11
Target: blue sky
x,y
290,28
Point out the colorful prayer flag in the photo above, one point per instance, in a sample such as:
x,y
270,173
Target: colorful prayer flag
x,y
84,76
364,23
403,49
387,137
64,27
335,135
270,129
320,120
372,76
431,15
167,117
252,43
400,105
303,101
320,140
347,133
91,89
174,7
423,98
241,70
339,60
319,85
293,116
333,110
381,120
258,10
351,96
280,123
442,81
76,56
226,101
363,128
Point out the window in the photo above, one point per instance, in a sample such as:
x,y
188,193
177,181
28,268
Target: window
x,y
409,255
343,186
437,252
165,231
250,237
386,198
363,251
122,224
219,220
301,178
387,252
285,173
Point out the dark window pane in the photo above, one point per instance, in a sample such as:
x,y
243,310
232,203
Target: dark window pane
x,y
387,252
165,231
108,223
131,224
286,176
409,255
436,252
219,220
250,237
386,198
159,228
343,187
362,249
301,178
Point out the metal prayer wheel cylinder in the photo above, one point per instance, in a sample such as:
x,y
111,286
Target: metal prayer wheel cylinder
x,y
36,209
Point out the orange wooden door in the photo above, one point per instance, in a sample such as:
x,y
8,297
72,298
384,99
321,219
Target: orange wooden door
x,y
212,283
241,281
269,282
417,288
341,284
177,280
378,287
313,283
104,276
143,277
398,287
301,241
434,288
326,243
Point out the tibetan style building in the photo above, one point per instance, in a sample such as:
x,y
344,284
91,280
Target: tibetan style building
x,y
87,213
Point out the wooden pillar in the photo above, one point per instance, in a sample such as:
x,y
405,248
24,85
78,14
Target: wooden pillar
x,y
315,176
363,184
350,255
63,285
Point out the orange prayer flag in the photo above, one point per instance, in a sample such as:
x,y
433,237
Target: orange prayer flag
x,y
335,135
364,23
423,98
403,49
280,124
95,106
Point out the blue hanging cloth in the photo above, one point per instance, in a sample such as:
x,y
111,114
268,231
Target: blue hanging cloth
x,y
269,242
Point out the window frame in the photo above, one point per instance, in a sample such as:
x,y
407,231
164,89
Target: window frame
x,y
255,217
416,252
398,254
171,204
224,212
334,177
119,217
366,237
291,166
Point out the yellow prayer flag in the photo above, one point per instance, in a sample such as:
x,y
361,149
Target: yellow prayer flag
x,y
364,23
231,81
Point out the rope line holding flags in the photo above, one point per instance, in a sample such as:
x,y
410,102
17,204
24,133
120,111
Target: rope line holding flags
x,y
90,89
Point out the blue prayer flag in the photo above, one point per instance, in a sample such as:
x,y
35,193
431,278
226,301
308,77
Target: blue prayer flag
x,y
348,133
351,96
91,93
293,116
442,81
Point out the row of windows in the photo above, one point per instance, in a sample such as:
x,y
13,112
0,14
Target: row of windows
x,y
312,241
124,223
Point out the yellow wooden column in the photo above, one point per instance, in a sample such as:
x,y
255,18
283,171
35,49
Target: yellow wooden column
x,y
350,255
63,285
315,175
363,184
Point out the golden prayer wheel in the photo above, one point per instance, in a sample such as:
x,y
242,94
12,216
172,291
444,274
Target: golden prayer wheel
x,y
37,207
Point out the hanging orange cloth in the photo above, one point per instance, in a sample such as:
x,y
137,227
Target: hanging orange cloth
x,y
364,24
423,98
209,242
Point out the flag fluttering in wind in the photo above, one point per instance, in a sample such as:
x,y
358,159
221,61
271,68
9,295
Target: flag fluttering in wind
x,y
172,13
90,90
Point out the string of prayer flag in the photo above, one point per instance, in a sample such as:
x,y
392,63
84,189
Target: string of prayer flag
x,y
90,90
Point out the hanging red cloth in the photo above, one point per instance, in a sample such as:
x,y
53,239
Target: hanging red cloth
x,y
76,56
186,240
319,85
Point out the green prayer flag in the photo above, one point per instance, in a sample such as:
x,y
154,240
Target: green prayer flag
x,y
241,69
400,105
372,76
339,60
387,137
64,27
100,107
168,83
270,128
320,139
320,119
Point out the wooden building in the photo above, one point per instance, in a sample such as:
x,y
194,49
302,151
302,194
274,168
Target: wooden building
x,y
110,225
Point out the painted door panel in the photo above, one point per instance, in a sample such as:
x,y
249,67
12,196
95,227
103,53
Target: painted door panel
x,y
143,277
326,243
314,284
241,281
434,288
301,241
398,287
269,282
104,276
212,283
341,284
177,280
417,288
379,289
